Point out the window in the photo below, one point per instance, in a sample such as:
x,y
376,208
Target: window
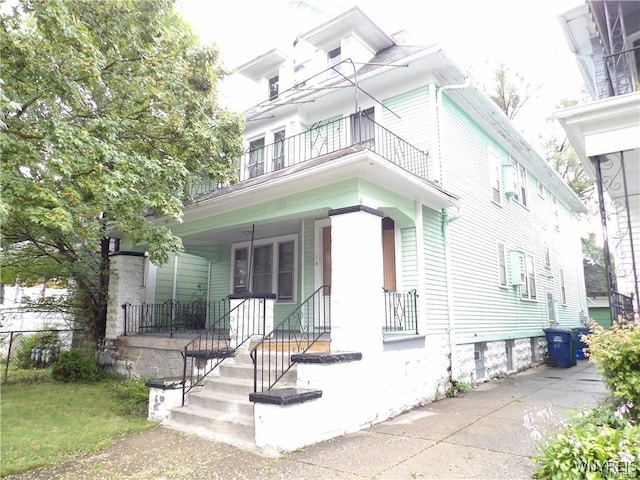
x,y
262,281
495,174
273,87
502,265
563,290
556,216
478,356
240,270
286,260
362,128
547,254
528,274
334,58
278,150
540,188
256,158
551,309
272,266
519,182
508,350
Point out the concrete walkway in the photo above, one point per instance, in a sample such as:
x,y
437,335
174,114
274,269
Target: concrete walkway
x,y
479,435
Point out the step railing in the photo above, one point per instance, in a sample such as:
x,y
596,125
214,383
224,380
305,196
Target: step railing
x,y
172,316
206,352
297,333
401,312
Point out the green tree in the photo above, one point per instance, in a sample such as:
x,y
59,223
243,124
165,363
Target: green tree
x,y
595,275
109,112
510,91
564,159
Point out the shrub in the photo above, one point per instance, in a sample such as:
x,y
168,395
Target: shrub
x,y
456,387
616,354
590,447
75,366
133,395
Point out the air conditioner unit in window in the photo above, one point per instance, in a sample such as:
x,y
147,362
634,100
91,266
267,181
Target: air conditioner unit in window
x,y
510,180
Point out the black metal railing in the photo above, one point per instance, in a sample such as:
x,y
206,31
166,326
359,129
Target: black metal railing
x,y
401,312
297,333
171,316
322,139
621,307
620,78
206,352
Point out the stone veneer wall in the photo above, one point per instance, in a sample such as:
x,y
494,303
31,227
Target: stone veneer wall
x,y
126,285
495,358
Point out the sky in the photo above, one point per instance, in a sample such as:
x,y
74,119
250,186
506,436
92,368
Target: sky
x,y
476,34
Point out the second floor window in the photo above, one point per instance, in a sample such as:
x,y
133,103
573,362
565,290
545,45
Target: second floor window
x,y
519,182
256,158
495,176
363,128
278,150
502,266
528,272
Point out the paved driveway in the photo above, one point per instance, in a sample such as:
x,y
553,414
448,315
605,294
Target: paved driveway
x,y
479,435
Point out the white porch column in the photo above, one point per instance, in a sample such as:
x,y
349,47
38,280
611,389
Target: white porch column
x,y
251,316
126,285
357,299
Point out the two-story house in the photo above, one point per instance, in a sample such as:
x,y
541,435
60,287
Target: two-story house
x,y
390,232
605,37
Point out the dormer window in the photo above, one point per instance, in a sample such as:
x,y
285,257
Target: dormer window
x,y
334,57
273,87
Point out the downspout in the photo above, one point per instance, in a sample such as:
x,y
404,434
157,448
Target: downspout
x,y
446,219
439,109
302,292
208,303
174,284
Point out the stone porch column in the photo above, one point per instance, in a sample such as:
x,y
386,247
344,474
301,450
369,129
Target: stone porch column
x,y
357,300
126,285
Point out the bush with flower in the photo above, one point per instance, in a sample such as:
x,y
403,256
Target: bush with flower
x,y
603,442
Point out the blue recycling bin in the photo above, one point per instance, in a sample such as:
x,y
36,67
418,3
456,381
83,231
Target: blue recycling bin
x,y
581,345
561,346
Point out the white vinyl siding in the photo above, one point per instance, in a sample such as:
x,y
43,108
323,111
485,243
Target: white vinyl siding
x,y
434,274
409,259
410,120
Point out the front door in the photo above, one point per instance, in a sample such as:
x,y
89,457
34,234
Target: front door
x,y
323,269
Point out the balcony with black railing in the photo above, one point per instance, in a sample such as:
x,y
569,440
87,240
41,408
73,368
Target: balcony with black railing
x,y
324,139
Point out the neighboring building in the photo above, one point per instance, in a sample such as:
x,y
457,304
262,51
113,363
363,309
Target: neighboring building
x,y
380,190
605,36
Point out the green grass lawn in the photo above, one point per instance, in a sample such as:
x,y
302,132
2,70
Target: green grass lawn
x,y
46,423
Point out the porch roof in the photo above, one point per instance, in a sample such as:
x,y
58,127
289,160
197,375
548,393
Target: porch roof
x,y
354,161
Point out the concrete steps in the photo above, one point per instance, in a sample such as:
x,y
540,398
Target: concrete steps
x,y
220,409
